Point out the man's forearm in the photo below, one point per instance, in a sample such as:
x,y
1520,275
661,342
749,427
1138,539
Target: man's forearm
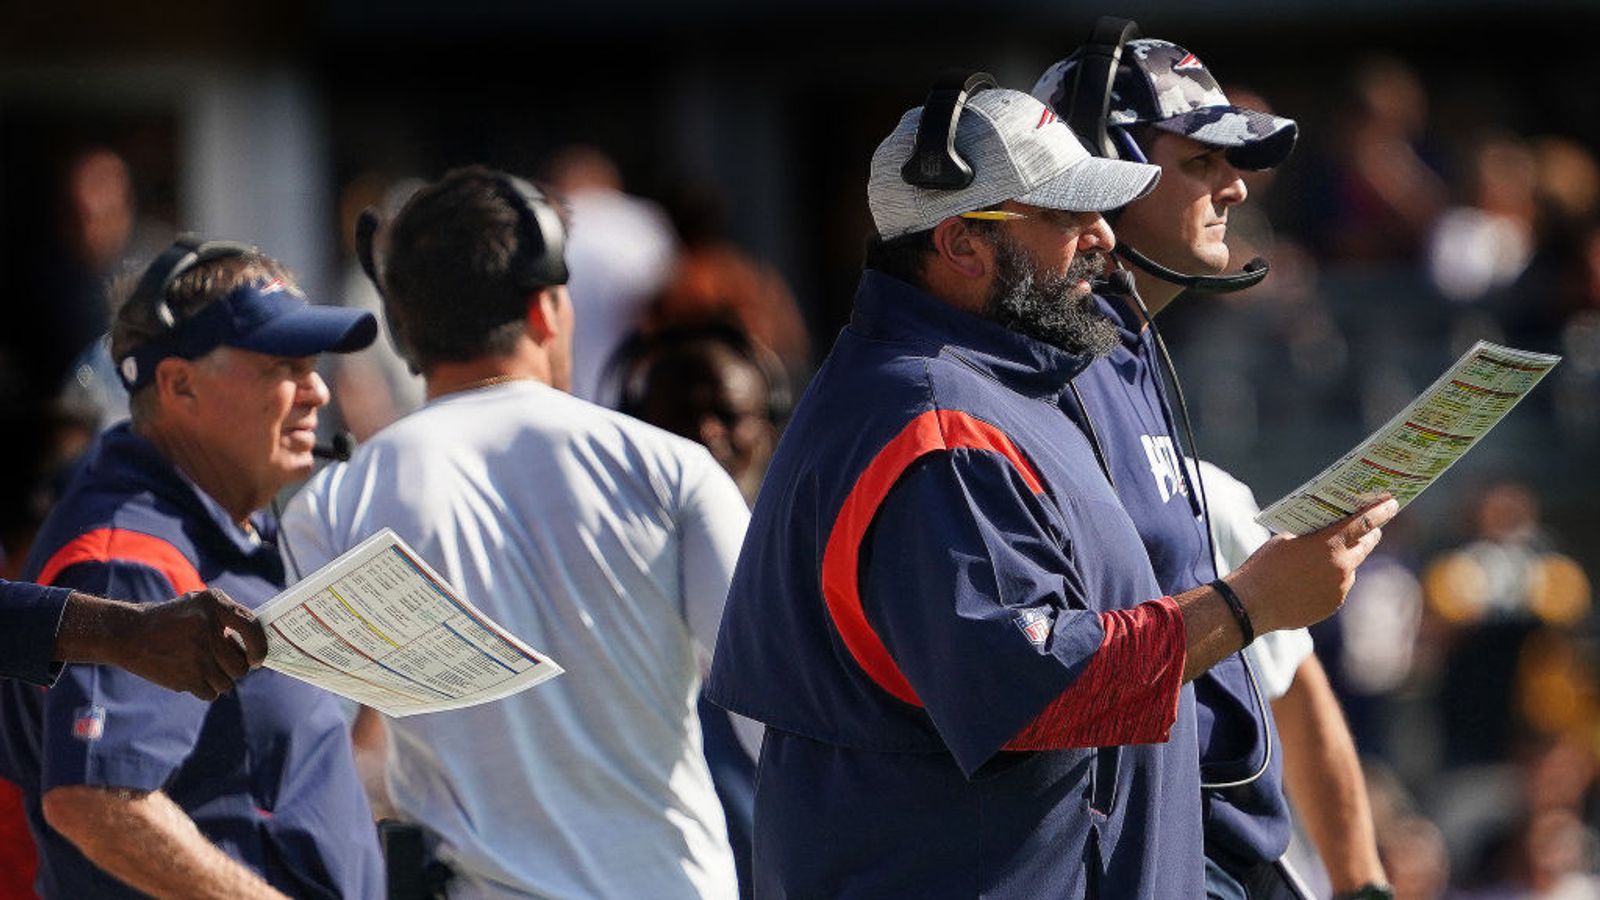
x,y
90,628
1211,633
202,642
1323,778
146,840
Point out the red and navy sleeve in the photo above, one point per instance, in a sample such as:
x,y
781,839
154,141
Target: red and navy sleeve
x,y
103,726
986,619
30,615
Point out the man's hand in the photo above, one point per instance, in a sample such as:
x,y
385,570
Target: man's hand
x,y
1293,582
1289,582
201,642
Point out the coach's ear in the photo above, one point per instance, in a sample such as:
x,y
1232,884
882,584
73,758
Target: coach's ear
x,y
960,267
549,313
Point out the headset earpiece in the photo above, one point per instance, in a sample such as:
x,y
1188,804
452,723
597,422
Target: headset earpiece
x,y
186,252
934,162
1092,79
541,253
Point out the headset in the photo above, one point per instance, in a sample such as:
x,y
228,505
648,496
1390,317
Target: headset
x,y
154,288
186,252
540,260
934,162
1088,114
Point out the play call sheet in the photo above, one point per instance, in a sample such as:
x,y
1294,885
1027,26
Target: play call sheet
x,y
1416,446
378,626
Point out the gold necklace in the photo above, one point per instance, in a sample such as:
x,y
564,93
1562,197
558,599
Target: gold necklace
x,y
490,382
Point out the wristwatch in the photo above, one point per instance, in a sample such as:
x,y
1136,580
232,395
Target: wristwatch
x,y
1369,891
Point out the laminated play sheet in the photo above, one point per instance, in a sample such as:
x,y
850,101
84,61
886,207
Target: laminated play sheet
x,y
1415,447
378,626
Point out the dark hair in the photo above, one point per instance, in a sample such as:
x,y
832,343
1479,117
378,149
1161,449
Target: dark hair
x,y
137,321
644,358
447,274
904,257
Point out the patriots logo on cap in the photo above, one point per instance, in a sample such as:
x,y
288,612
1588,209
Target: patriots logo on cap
x,y
1189,61
89,723
1035,624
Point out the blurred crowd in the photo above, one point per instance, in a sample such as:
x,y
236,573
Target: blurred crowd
x,y
1465,658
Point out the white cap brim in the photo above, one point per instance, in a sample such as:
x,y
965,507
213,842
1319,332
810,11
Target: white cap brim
x,y
1094,184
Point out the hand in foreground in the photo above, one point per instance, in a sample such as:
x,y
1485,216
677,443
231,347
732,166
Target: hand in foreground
x,y
201,643
1292,582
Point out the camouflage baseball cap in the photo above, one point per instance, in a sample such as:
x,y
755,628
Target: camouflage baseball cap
x,y
1163,85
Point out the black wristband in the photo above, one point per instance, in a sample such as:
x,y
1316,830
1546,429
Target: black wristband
x,y
1236,606
1369,891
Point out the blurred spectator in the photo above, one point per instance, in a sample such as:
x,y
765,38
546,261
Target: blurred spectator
x,y
56,304
1490,595
1485,244
715,281
94,219
1369,645
1379,195
620,251
713,385
372,387
1413,852
1412,847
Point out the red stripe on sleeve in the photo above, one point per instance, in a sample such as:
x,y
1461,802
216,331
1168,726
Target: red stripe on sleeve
x,y
1128,694
118,545
841,560
930,431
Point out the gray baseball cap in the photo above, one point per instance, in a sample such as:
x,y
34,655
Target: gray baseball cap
x,y
1018,150
1167,87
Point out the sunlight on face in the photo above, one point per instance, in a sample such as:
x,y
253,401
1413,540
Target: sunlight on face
x,y
259,413
1183,222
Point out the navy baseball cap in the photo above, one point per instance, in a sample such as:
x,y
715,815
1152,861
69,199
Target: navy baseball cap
x,y
1165,86
265,315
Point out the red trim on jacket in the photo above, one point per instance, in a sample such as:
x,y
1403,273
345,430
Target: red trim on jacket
x,y
1128,694
118,545
929,432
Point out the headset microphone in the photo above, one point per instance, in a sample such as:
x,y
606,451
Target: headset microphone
x,y
1252,274
339,448
1089,98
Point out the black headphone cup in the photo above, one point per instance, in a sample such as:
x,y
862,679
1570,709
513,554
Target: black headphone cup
x,y
185,253
540,261
1089,109
935,163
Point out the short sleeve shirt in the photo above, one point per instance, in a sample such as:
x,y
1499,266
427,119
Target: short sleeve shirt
x,y
265,772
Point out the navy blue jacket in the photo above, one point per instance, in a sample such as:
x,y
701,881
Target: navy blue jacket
x,y
929,569
265,772
1130,417
29,617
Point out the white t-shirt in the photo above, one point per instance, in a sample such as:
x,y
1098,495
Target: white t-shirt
x,y
1276,655
604,542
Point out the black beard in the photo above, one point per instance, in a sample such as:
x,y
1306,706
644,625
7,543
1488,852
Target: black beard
x,y
1049,307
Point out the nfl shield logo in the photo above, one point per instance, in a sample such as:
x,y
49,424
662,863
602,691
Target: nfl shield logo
x,y
1035,624
89,723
